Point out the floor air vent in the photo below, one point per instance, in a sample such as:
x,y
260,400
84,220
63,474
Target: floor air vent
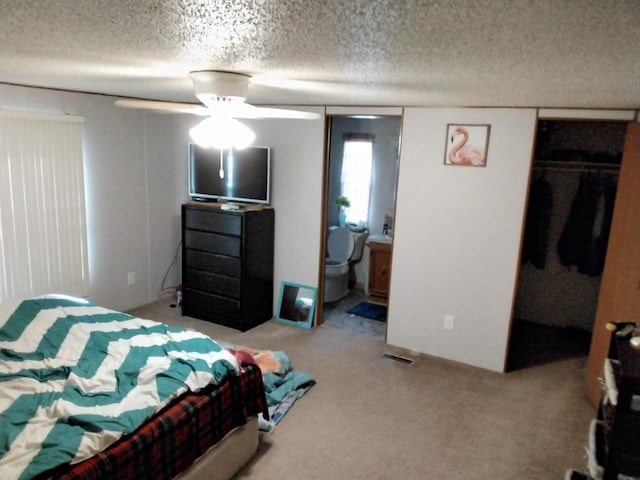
x,y
396,358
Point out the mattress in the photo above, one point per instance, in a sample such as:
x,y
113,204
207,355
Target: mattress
x,y
173,439
227,457
113,395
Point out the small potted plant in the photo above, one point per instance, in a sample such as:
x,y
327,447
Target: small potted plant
x,y
342,202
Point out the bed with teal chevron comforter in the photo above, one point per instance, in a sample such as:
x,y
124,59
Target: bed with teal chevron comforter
x,y
75,377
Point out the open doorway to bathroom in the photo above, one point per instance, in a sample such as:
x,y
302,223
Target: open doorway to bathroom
x,y
360,196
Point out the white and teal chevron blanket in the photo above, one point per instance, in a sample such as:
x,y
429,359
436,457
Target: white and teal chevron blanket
x,y
75,377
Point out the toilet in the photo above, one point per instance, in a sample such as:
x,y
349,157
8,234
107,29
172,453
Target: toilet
x,y
359,239
344,247
336,266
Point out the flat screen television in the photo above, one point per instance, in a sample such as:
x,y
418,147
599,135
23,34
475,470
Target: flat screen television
x,y
241,176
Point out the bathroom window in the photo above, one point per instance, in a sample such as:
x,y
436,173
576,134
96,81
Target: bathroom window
x,y
356,176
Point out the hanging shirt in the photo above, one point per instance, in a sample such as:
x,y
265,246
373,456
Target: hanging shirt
x,y
536,232
584,239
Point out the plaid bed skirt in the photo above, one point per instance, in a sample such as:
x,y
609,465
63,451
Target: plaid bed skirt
x,y
172,440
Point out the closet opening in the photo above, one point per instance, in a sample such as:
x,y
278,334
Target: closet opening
x,y
571,197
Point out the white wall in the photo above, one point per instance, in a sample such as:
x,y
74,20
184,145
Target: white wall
x,y
457,236
457,229
297,151
296,195
128,161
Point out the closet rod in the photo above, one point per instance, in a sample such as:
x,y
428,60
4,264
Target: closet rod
x,y
579,166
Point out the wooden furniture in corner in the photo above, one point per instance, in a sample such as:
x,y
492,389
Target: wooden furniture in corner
x,y
227,264
619,298
379,272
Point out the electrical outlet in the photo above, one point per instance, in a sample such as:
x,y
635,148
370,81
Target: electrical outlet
x,y
449,321
131,278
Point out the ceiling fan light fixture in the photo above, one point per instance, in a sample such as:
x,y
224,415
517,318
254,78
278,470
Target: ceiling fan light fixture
x,y
222,133
212,87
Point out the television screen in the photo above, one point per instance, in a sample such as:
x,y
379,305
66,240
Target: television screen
x,y
233,175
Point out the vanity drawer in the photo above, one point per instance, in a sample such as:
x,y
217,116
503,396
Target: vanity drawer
x,y
211,221
212,242
213,262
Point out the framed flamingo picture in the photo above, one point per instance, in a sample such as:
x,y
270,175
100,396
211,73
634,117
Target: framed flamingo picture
x,y
467,145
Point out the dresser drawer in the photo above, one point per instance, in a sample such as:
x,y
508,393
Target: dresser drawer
x,y
213,262
212,242
227,264
215,222
211,282
213,305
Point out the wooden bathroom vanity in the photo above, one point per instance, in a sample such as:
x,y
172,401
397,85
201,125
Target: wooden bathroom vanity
x,y
379,270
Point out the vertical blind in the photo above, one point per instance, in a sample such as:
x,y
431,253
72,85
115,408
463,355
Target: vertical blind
x,y
43,240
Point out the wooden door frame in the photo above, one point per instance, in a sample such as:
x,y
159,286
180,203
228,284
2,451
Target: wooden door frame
x,y
319,314
330,114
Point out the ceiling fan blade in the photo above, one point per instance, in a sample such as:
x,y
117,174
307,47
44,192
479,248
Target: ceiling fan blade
x,y
245,110
163,107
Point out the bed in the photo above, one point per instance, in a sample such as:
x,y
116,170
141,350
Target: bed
x,y
91,393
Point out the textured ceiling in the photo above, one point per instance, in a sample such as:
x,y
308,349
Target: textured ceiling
x,y
568,53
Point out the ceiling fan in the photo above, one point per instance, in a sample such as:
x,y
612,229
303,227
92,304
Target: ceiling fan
x,y
223,96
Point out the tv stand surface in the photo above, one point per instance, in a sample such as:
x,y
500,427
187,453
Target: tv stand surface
x,y
224,206
233,207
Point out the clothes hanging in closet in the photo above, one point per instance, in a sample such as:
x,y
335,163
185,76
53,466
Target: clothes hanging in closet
x,y
584,239
536,232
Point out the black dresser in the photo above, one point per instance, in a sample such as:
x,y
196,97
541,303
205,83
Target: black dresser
x,y
227,264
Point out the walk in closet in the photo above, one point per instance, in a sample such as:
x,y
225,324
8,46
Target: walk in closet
x,y
572,191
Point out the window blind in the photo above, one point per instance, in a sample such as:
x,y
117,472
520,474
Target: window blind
x,y
43,240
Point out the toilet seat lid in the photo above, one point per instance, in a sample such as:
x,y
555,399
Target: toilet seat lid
x,y
340,244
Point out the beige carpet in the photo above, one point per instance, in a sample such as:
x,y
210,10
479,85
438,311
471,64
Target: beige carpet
x,y
372,418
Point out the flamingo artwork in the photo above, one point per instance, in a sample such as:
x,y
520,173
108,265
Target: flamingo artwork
x,y
463,154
